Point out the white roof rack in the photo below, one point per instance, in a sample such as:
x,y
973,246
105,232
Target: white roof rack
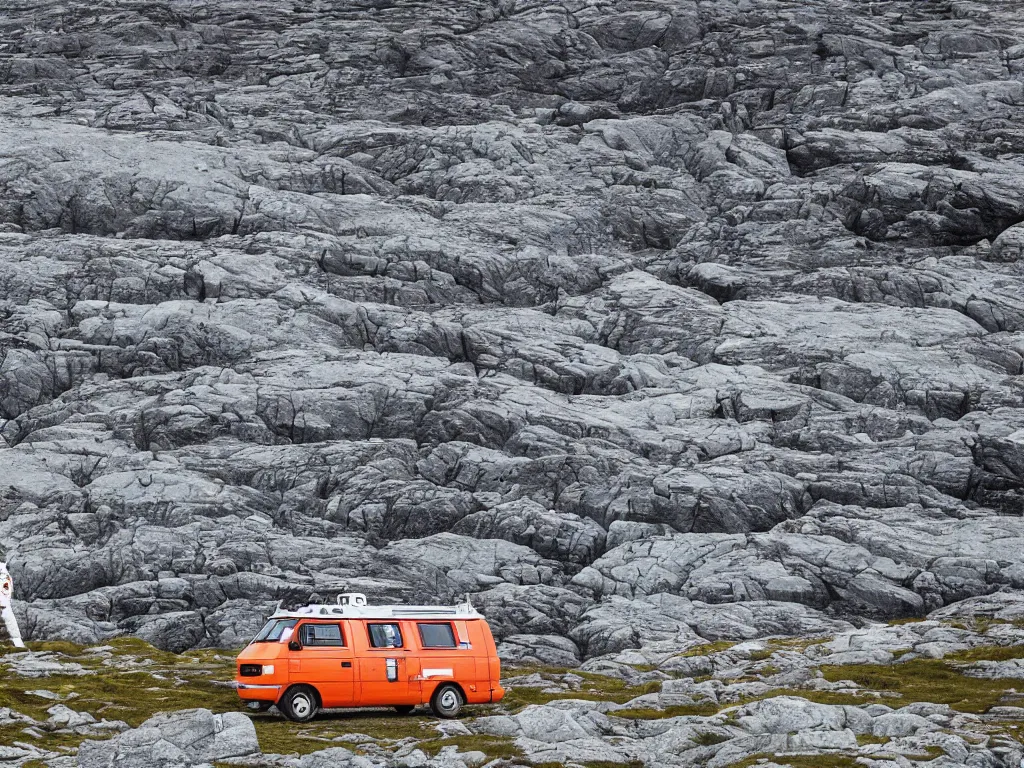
x,y
353,605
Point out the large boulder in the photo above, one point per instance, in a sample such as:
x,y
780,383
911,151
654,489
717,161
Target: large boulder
x,y
183,738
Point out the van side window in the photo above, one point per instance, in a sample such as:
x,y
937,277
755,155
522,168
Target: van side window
x,y
385,635
437,635
321,634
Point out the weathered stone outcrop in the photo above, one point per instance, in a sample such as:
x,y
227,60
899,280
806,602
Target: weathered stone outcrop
x,y
641,322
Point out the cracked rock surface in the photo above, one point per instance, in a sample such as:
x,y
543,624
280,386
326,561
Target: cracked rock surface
x,y
942,692
646,323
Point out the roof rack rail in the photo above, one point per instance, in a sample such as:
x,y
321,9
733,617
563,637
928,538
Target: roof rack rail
x,y
355,605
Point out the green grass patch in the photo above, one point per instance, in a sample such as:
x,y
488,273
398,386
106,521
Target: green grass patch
x,y
706,650
145,681
151,681
14,693
865,739
681,710
495,747
798,644
988,653
801,761
982,624
926,680
536,669
277,735
55,646
594,688
129,696
56,742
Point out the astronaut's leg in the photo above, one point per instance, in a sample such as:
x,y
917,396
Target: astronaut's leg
x,y
12,626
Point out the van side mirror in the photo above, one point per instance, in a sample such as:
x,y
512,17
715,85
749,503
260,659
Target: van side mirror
x,y
294,645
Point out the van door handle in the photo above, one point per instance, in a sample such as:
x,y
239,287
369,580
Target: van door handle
x,y
346,664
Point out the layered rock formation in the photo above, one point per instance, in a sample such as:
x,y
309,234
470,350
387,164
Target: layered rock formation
x,y
644,322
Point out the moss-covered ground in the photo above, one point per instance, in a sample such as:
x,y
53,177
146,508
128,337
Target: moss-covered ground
x,y
929,680
136,681
801,761
133,681
593,688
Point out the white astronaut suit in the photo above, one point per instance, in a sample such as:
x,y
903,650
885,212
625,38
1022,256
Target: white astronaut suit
x,y
6,594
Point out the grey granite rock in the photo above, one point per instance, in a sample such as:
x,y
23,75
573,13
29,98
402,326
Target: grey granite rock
x,y
183,738
644,323
549,650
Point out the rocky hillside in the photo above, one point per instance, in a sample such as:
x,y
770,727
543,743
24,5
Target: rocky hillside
x,y
943,693
648,323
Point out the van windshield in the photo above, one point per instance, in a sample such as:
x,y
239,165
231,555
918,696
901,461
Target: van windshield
x,y
273,629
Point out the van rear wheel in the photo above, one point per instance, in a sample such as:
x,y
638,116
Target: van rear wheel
x,y
300,704
446,701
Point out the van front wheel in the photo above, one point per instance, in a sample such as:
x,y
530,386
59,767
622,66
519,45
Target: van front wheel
x,y
300,704
446,701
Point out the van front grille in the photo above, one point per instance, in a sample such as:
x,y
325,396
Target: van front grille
x,y
250,670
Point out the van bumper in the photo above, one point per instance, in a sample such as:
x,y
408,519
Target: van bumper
x,y
497,694
253,692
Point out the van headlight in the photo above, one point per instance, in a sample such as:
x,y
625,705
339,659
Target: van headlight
x,y
268,669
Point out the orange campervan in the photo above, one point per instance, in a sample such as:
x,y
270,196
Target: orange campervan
x,y
355,655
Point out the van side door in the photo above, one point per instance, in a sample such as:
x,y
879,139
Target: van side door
x,y
325,661
385,658
447,653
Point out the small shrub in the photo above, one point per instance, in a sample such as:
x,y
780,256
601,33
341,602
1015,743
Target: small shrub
x,y
709,738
